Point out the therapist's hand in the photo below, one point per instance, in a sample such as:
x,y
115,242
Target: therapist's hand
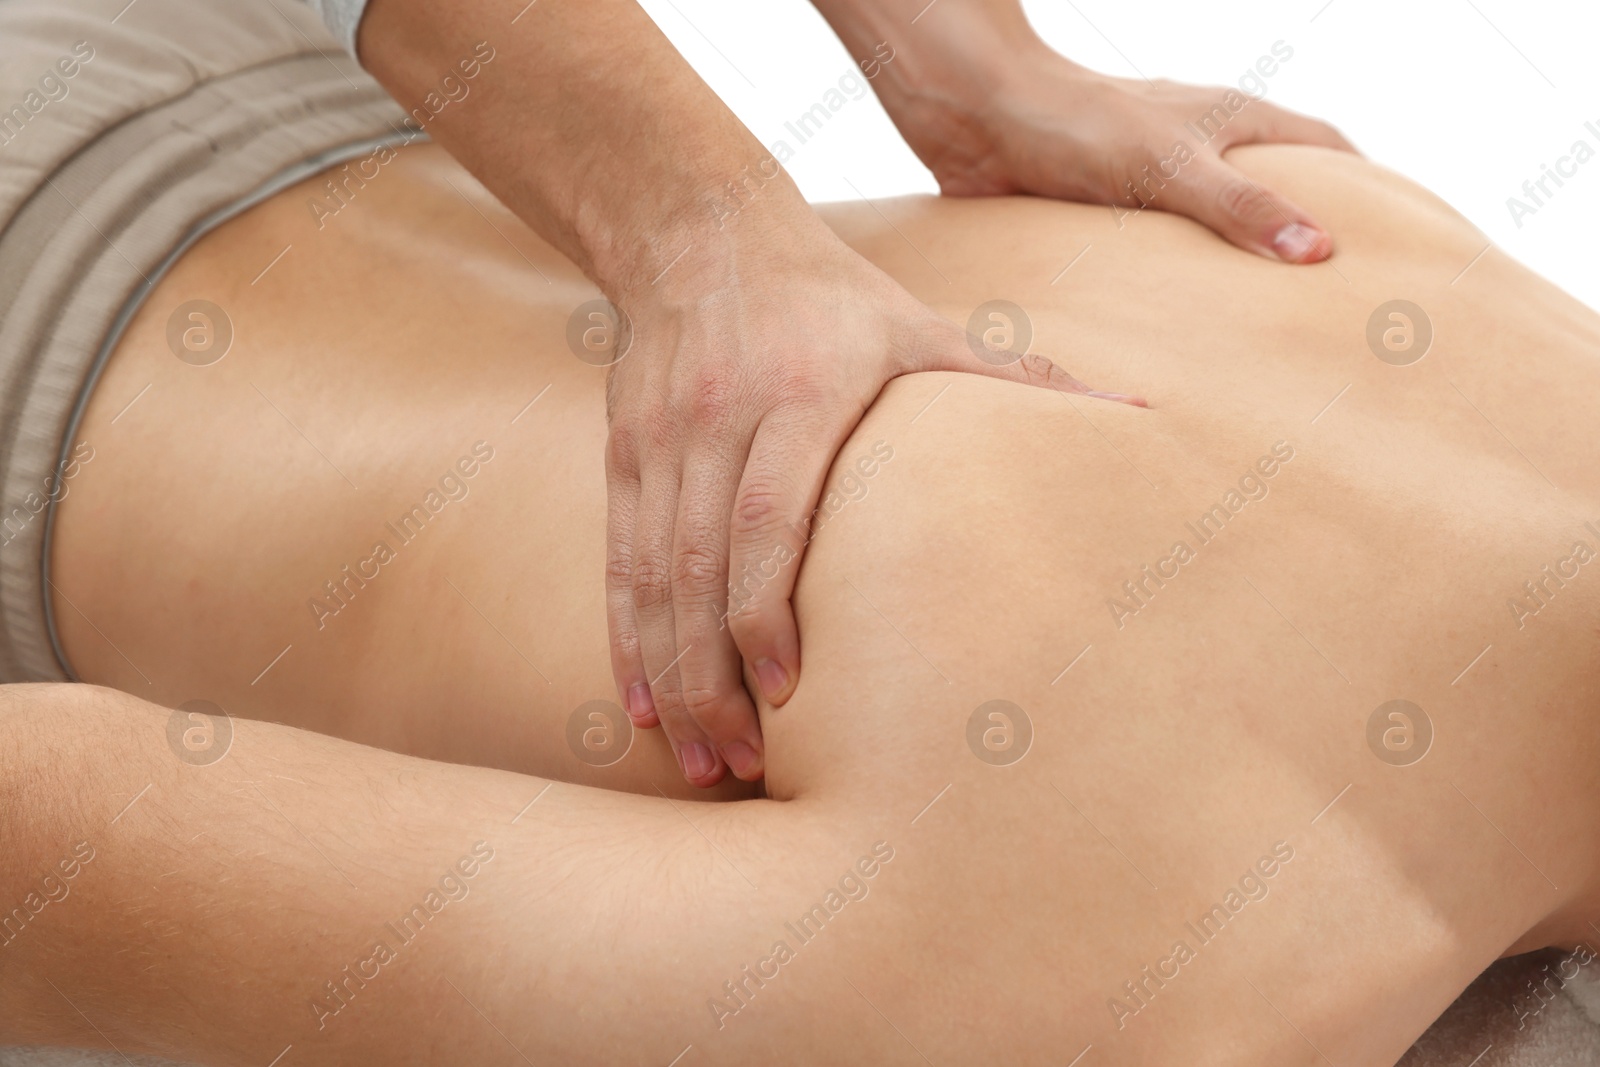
x,y
1060,130
991,109
750,363
758,337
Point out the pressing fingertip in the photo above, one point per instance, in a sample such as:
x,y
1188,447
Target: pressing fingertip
x,y
774,680
743,760
641,708
698,762
1301,242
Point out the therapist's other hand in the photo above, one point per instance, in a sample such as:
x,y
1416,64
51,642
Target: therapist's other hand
x,y
1037,123
749,365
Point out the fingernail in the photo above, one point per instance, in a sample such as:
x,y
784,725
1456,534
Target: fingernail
x,y
639,702
741,758
696,760
1120,398
1296,242
772,676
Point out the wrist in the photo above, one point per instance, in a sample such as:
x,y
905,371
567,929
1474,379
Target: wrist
x,y
952,98
964,57
974,128
738,229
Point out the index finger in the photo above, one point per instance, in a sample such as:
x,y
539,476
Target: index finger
x,y
710,681
772,525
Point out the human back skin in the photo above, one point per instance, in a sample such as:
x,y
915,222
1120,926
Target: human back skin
x,y
1176,747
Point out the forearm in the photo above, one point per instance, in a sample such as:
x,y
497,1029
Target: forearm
x,y
220,898
221,913
586,123
956,52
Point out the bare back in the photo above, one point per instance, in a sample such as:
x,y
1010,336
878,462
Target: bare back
x,y
1197,609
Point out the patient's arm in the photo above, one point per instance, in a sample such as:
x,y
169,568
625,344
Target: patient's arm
x,y
208,907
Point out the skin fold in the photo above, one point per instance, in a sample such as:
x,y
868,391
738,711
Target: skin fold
x,y
1213,729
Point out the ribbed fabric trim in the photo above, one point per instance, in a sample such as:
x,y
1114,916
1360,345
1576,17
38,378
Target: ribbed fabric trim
x,y
113,195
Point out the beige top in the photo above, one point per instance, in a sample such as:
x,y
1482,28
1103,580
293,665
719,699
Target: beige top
x,y
126,130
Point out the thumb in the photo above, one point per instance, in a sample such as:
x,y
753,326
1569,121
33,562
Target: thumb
x,y
1243,212
997,344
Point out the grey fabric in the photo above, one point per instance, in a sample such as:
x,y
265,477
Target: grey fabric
x,y
343,18
173,111
1537,1010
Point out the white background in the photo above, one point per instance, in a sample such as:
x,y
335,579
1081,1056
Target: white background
x,y
1468,97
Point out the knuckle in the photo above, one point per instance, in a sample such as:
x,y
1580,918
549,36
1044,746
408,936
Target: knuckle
x,y
638,426
746,623
712,398
675,719
805,389
702,702
625,642
622,446
651,582
714,709
619,567
1240,199
699,570
753,593
658,430
759,507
